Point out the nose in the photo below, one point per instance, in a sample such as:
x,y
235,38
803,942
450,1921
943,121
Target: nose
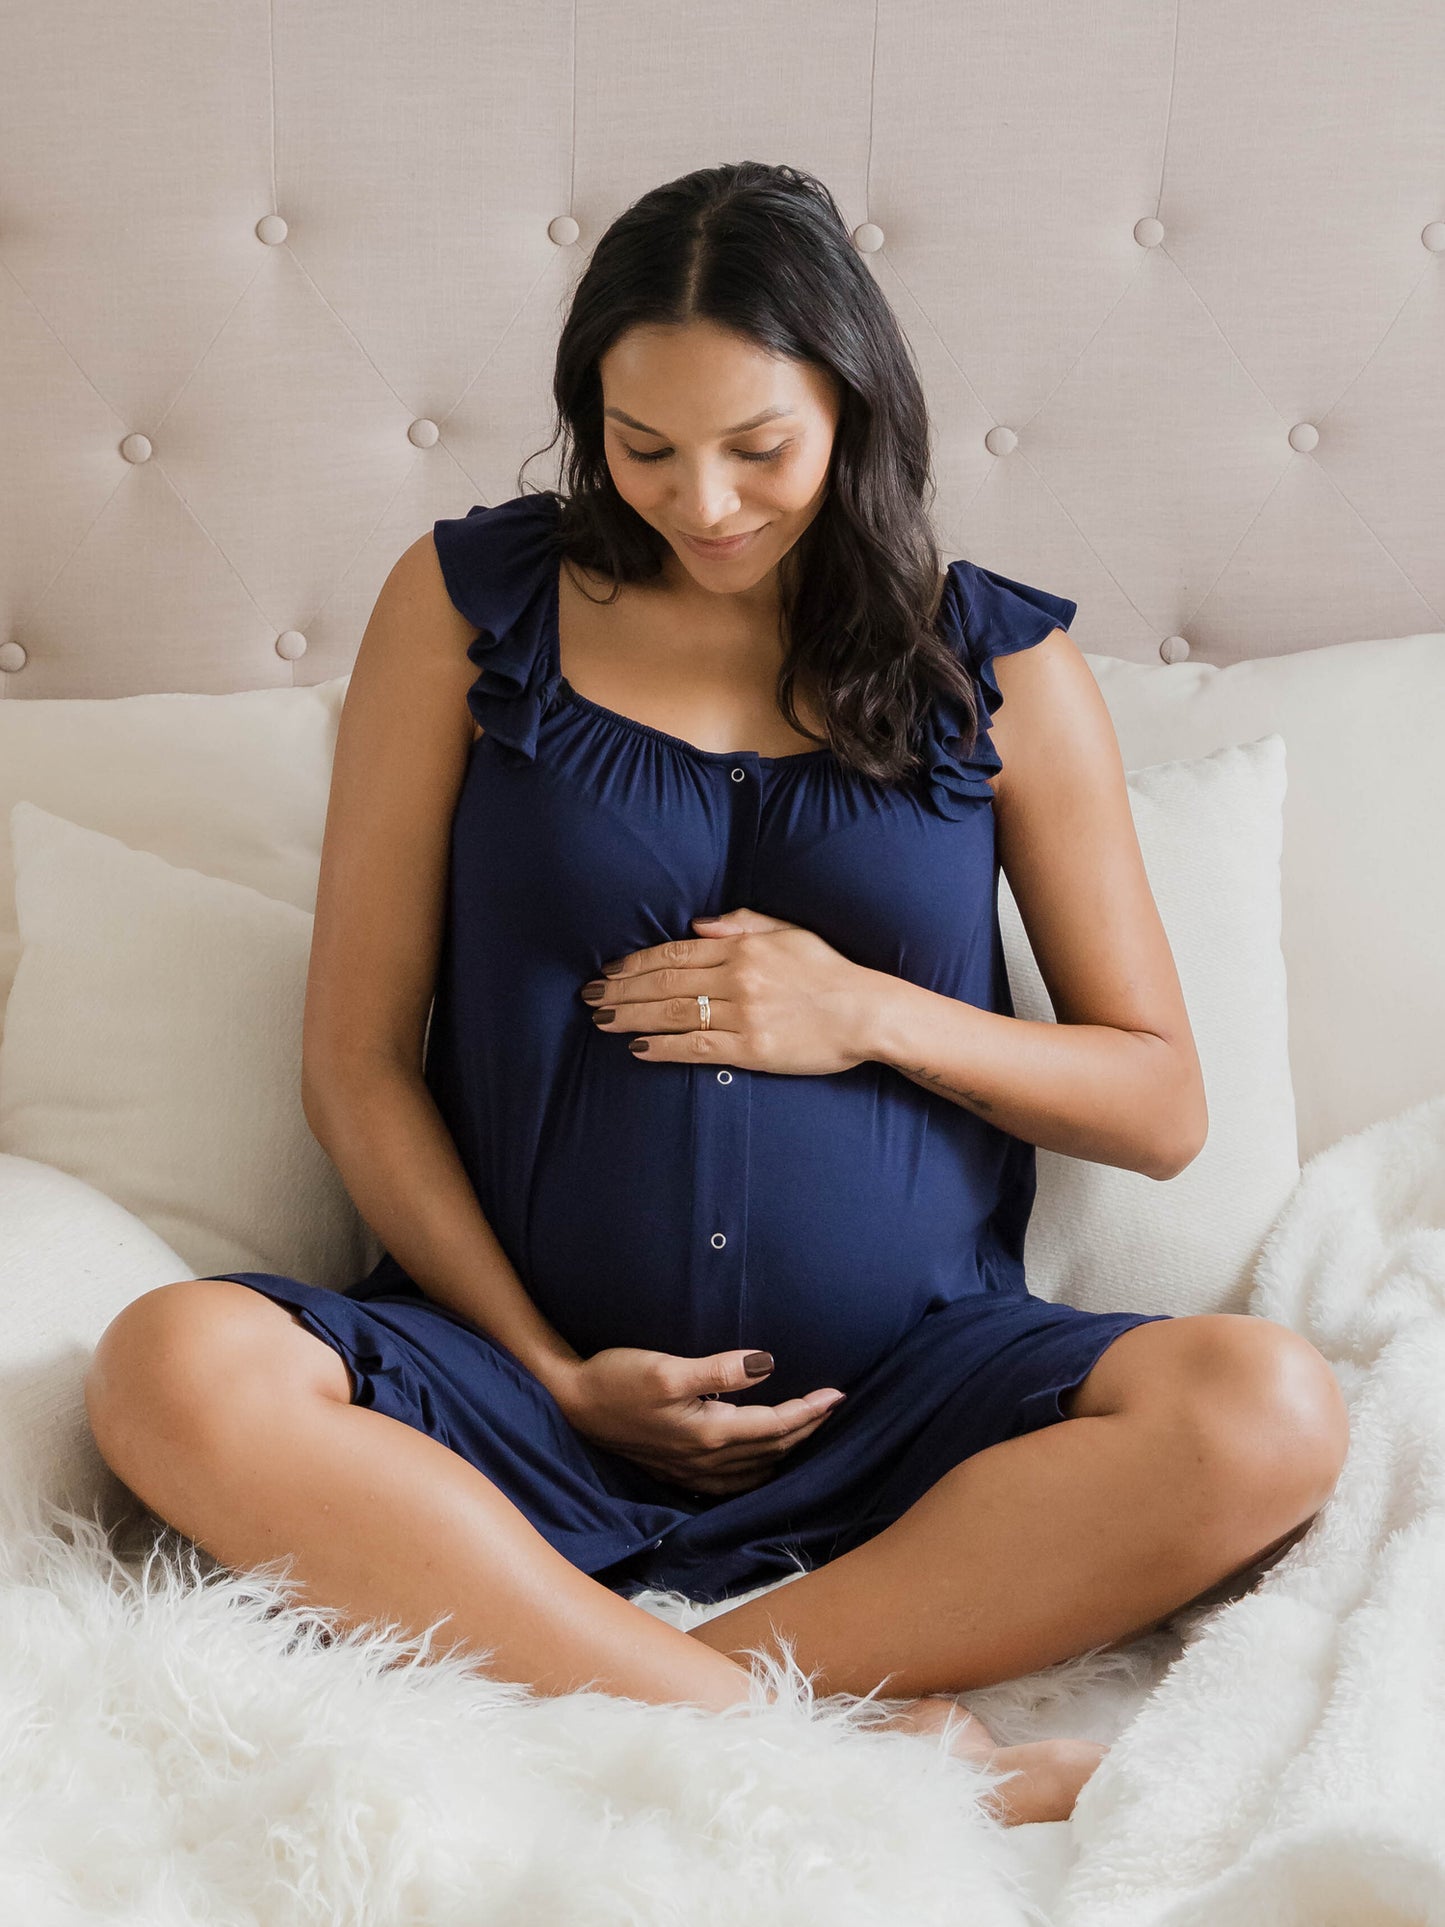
x,y
710,503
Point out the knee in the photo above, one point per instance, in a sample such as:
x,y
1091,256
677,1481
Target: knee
x,y
1266,1411
162,1368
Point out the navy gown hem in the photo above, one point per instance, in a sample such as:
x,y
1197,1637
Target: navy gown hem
x,y
417,1362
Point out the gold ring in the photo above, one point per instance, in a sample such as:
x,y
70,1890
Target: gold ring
x,y
704,1005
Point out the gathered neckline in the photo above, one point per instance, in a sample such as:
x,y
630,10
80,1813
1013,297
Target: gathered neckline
x,y
554,645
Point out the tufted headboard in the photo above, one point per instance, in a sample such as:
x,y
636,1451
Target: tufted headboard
x,y
281,286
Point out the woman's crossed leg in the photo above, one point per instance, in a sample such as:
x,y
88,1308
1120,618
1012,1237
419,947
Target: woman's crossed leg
x,y
1195,1448
235,1424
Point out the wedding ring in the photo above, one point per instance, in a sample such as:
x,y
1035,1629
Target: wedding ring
x,y
705,1007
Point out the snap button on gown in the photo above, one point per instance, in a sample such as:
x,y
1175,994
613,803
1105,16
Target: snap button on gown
x,y
868,1233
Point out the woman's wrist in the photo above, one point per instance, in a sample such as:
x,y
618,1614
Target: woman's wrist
x,y
557,1370
882,1018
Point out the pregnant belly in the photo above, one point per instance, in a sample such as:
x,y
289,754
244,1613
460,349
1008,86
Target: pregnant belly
x,y
847,1220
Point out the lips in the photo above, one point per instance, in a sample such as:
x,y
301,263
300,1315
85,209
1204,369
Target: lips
x,y
730,546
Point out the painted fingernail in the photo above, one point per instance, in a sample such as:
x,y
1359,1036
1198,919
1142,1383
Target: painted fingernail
x,y
638,1045
603,1016
594,990
756,1363
611,969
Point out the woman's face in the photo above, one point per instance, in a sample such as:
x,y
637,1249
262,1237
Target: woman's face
x,y
687,450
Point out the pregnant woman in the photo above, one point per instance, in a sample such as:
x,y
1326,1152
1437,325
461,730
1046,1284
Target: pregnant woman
x,y
657,1023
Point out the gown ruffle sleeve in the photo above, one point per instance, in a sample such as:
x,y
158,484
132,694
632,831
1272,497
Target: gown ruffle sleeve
x,y
499,564
984,615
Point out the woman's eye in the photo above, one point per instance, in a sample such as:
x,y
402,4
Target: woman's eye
x,y
770,455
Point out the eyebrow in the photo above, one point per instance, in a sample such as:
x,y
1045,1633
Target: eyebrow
x,y
768,414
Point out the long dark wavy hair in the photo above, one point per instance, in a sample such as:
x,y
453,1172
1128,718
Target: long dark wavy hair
x,y
763,250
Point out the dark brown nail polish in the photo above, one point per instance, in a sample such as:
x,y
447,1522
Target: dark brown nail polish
x,y
611,969
638,1046
591,992
756,1363
603,1016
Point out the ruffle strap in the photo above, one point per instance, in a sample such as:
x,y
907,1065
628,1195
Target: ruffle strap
x,y
499,564
984,616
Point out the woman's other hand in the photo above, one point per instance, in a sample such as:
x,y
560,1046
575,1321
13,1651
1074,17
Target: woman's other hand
x,y
671,1415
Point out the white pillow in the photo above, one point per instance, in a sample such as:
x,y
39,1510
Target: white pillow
x,y
1363,869
70,1260
153,1049
235,785
1108,1239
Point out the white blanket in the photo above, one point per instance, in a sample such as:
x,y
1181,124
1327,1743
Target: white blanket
x,y
1289,1770
173,1750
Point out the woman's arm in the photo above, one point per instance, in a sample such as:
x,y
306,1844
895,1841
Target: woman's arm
x,y
401,753
1117,1078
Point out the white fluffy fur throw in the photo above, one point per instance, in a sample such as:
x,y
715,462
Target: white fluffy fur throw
x,y
180,1744
1290,1769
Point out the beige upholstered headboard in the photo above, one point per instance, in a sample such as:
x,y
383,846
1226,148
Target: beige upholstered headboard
x,y
280,285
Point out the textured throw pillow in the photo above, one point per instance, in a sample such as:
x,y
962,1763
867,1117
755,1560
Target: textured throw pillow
x,y
234,785
152,1048
1107,1239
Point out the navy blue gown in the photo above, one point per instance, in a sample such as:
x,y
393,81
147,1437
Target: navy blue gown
x,y
866,1232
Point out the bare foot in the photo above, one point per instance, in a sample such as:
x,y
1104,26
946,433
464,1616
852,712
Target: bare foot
x,y
1051,1776
1047,1775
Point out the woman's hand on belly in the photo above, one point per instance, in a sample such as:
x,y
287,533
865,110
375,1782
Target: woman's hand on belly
x,y
668,1413
782,998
